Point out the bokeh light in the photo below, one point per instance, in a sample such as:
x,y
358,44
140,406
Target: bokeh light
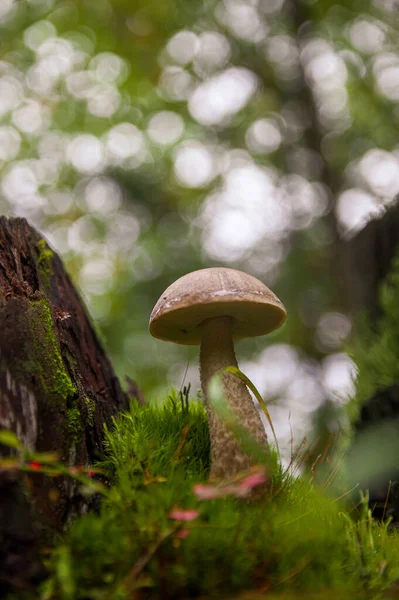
x,y
222,95
148,143
165,127
193,165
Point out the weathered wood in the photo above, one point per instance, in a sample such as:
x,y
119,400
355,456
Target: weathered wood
x,y
57,390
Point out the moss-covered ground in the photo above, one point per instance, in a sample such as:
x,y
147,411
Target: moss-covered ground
x,y
159,533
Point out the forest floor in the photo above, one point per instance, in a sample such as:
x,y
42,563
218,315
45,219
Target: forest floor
x,y
163,530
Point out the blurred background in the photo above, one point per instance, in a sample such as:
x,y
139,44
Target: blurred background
x,y
147,139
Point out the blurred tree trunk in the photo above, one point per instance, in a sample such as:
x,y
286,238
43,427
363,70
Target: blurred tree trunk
x,y
366,261
362,263
57,390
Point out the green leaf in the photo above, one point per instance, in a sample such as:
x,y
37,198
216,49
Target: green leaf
x,y
222,408
10,439
43,457
237,373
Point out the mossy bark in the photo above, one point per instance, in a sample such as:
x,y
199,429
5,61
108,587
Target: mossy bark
x,y
57,390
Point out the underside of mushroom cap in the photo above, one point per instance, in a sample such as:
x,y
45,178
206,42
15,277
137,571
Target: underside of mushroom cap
x,y
214,292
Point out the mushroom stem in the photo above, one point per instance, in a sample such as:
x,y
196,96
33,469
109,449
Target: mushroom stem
x,y
217,352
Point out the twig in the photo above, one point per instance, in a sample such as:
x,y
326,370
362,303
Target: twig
x,y
386,499
132,575
346,493
304,563
182,441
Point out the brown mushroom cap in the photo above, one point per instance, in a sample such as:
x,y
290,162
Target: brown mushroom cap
x,y
215,292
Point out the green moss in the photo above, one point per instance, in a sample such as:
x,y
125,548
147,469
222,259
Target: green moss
x,y
295,543
91,410
44,260
74,424
46,357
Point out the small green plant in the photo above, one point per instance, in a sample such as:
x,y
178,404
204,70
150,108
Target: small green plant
x,y
48,463
375,551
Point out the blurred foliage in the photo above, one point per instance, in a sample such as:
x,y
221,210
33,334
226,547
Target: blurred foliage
x,y
375,348
372,449
150,139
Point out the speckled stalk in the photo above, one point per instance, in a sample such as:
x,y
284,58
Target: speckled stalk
x,y
217,352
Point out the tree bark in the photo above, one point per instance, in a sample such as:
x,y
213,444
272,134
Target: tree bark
x,y
57,390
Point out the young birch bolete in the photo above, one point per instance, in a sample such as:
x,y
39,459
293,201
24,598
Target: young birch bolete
x,y
210,308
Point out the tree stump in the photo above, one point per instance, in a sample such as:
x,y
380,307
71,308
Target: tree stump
x,y
57,390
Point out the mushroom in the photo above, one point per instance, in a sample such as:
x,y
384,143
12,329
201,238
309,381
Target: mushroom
x,y
210,308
